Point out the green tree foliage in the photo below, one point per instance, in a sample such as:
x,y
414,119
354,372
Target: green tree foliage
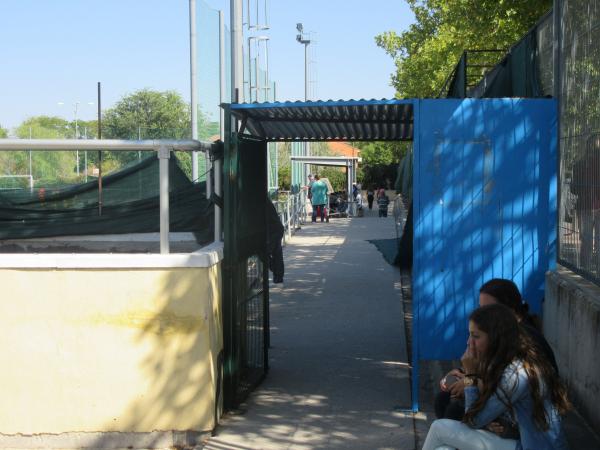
x,y
3,132
284,178
284,150
206,129
145,114
427,52
48,168
377,153
379,162
45,127
148,114
336,176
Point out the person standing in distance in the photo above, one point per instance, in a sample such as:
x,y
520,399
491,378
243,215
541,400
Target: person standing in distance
x,y
319,198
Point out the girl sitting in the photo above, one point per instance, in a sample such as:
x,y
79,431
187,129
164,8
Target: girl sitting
x,y
505,374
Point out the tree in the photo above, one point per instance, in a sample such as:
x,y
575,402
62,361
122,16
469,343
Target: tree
x,y
285,178
381,153
336,176
3,132
48,168
148,114
145,114
380,162
427,52
45,127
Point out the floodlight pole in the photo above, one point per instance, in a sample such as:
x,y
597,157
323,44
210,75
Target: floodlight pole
x,y
193,87
306,42
237,58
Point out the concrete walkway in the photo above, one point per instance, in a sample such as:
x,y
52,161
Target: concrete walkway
x,y
339,376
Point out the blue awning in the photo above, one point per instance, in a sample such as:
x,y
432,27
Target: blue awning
x,y
342,120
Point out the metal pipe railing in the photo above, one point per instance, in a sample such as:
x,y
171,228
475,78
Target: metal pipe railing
x,y
292,212
163,147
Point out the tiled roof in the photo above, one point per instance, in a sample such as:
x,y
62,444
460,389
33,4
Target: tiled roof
x,y
343,149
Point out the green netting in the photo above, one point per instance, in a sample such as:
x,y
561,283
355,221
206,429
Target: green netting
x,y
521,73
404,177
457,88
516,75
130,204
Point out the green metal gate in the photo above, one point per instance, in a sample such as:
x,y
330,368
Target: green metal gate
x,y
245,274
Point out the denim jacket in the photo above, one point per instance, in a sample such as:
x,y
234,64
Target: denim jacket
x,y
515,388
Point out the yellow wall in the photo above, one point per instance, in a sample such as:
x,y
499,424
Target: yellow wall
x,y
109,349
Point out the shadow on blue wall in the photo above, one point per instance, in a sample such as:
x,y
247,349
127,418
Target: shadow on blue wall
x,y
485,207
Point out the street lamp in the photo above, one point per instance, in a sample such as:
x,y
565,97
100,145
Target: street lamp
x,y
76,106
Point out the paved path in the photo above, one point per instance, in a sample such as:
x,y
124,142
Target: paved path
x,y
339,377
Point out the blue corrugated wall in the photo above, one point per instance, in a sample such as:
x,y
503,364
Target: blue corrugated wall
x,y
484,207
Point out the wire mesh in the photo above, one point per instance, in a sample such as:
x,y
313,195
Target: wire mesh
x,y
579,138
544,55
252,329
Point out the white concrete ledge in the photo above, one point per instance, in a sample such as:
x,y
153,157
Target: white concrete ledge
x,y
205,257
112,440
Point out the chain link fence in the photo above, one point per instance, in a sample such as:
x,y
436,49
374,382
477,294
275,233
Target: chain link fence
x,y
579,137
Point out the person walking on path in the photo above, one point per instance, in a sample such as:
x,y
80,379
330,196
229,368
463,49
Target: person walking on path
x,y
319,198
275,232
308,187
383,202
370,197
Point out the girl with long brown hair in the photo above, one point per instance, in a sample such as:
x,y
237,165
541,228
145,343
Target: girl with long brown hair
x,y
505,374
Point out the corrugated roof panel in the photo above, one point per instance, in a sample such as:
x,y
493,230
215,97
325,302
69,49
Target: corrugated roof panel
x,y
328,120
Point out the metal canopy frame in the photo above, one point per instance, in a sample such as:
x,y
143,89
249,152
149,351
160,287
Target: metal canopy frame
x,y
349,120
336,161
257,124
349,162
409,119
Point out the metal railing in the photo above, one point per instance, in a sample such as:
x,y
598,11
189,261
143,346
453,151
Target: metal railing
x,y
292,212
162,147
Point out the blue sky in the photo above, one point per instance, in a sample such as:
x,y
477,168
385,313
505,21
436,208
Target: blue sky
x,y
56,51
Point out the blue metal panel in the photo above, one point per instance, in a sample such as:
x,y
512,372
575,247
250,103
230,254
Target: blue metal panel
x,y
484,207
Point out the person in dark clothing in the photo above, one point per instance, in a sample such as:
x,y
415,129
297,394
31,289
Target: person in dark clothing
x,y
275,232
449,402
382,203
370,197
